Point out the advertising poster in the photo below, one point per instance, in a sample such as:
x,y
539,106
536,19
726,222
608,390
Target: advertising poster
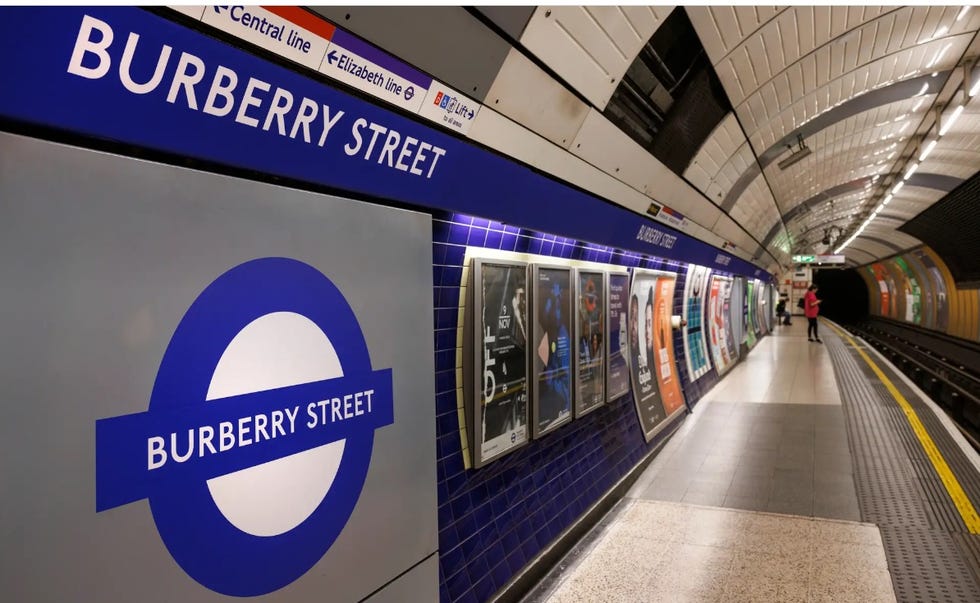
x,y
503,358
927,303
719,327
617,368
748,307
901,291
695,347
761,291
913,293
590,391
552,348
667,375
735,319
643,365
881,275
938,286
874,293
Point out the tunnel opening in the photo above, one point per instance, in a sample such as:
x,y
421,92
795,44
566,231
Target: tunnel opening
x,y
844,295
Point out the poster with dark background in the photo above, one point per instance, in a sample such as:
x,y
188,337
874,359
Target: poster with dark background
x,y
552,348
590,339
618,374
503,365
646,395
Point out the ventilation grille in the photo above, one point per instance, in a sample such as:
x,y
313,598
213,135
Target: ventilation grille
x,y
670,99
952,228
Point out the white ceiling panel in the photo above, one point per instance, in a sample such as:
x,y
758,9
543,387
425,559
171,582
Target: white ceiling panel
x,y
605,146
715,152
499,132
729,230
525,93
591,47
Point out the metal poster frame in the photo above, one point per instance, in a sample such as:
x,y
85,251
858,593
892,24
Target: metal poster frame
x,y
534,344
473,377
578,406
624,344
662,419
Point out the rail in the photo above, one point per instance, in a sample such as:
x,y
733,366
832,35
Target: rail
x,y
943,367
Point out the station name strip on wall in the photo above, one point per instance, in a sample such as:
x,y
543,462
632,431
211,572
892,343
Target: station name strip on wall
x,y
215,102
317,44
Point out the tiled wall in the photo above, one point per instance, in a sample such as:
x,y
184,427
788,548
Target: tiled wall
x,y
494,520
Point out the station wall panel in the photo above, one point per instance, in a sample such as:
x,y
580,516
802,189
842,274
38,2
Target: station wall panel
x,y
494,520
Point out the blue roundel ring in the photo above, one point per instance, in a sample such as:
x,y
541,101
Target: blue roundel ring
x,y
202,541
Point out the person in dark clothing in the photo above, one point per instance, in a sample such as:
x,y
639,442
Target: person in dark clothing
x,y
781,313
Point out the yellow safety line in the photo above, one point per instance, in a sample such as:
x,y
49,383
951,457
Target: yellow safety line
x,y
960,499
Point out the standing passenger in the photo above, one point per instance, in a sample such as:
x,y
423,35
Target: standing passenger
x,y
810,309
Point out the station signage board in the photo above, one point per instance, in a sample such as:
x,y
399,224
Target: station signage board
x,y
300,36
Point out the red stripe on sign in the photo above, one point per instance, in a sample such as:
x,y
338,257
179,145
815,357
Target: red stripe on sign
x,y
304,19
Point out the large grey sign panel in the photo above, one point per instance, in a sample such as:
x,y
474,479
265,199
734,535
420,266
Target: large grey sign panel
x,y
101,258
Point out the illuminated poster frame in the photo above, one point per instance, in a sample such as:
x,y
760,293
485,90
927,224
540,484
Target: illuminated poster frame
x,y
492,282
724,350
551,348
617,340
591,335
650,313
696,353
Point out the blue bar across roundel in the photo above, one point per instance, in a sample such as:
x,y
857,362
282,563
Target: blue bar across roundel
x,y
140,453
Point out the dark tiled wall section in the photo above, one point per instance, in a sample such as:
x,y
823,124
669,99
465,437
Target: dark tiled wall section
x,y
494,520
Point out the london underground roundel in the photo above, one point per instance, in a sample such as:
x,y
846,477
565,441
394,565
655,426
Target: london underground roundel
x,y
259,431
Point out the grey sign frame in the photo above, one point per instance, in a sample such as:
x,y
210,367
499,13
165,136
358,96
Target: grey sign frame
x,y
580,409
537,431
624,339
473,368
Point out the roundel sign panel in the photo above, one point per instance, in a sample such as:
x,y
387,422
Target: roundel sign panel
x,y
259,431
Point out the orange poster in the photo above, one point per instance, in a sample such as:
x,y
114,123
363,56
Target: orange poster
x,y
667,377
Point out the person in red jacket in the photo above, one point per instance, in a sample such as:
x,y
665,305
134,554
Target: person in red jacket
x,y
810,310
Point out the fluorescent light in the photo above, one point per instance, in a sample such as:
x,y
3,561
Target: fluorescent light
x,y
898,187
963,12
925,87
952,119
939,55
879,208
887,200
911,170
927,150
975,88
891,155
921,100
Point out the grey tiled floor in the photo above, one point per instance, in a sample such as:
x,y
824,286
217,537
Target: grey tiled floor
x,y
782,458
716,515
770,437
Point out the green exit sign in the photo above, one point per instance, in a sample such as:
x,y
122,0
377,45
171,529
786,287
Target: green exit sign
x,y
804,259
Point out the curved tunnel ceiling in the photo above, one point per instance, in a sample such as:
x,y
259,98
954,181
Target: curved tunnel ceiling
x,y
866,89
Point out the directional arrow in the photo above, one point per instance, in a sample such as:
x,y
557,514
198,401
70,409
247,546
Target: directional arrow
x,y
332,56
470,116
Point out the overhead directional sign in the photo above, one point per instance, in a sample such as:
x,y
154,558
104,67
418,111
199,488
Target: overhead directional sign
x,y
366,68
284,32
298,35
818,259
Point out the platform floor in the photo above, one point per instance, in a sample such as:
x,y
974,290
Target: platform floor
x,y
760,494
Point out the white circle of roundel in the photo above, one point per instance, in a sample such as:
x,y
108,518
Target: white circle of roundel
x,y
276,350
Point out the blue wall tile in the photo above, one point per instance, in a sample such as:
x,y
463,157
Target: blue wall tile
x,y
493,520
